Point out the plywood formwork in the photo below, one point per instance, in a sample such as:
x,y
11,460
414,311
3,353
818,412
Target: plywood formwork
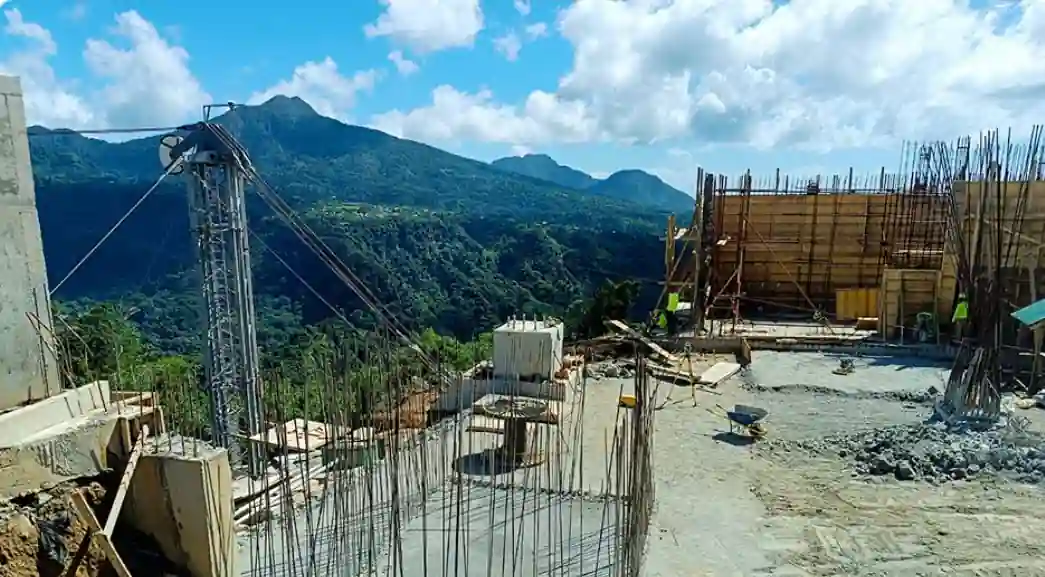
x,y
792,243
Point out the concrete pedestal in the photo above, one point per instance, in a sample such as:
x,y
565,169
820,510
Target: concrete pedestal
x,y
28,368
181,495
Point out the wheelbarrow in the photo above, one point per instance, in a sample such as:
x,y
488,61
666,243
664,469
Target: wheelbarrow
x,y
745,417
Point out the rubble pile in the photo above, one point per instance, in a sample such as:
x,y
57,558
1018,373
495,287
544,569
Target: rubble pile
x,y
935,454
609,369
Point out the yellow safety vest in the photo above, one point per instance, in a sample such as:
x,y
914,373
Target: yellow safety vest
x,y
662,321
673,302
961,312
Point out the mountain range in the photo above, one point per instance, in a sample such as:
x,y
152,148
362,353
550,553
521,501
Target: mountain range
x,y
627,185
444,241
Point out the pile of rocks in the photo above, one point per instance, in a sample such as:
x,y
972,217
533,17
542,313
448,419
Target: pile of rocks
x,y
932,453
609,369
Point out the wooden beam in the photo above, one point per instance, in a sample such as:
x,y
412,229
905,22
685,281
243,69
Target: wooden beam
x,y
94,529
657,349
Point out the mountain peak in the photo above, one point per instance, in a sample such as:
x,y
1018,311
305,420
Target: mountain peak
x,y
544,167
287,106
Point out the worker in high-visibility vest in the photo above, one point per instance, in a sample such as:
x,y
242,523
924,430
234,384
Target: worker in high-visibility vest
x,y
961,315
670,317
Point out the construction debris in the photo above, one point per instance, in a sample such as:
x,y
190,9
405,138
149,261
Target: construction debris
x,y
935,453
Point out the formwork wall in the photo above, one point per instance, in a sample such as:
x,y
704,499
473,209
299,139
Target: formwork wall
x,y
797,245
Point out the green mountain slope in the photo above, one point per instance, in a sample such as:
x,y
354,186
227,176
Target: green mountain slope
x,y
633,186
645,189
544,167
444,241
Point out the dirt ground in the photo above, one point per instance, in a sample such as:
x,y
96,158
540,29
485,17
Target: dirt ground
x,y
40,534
20,538
729,509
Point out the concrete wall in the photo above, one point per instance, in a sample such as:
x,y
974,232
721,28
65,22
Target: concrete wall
x,y
181,495
28,368
527,348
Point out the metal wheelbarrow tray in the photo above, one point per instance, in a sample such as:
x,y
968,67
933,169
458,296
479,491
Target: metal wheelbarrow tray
x,y
747,418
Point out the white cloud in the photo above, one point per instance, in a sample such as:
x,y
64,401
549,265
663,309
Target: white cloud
x,y
508,45
522,7
815,72
520,150
323,86
47,100
536,30
428,25
146,83
404,66
456,115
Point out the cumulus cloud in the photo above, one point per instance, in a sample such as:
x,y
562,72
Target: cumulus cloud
x,y
404,66
820,73
47,100
426,26
522,7
145,81
323,86
455,116
536,30
508,45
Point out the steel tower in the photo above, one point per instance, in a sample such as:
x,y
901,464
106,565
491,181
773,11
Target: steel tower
x,y
217,169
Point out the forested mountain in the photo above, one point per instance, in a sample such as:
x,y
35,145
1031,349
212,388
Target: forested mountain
x,y
544,167
634,186
446,242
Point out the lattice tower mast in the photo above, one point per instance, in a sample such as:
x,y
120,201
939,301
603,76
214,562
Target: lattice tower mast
x,y
216,169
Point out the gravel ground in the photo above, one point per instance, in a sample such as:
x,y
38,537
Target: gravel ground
x,y
798,503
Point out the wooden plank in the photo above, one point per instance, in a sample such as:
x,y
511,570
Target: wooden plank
x,y
94,528
125,482
718,373
620,326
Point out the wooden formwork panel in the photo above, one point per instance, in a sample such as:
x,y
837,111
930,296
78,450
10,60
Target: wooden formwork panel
x,y
904,293
855,303
1019,225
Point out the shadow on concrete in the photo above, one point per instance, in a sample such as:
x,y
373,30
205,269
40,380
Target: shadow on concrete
x,y
485,463
898,362
734,439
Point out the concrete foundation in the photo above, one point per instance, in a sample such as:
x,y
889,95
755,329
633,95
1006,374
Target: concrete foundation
x,y
181,495
65,437
527,349
28,367
461,396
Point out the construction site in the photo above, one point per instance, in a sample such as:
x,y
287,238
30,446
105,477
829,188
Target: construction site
x,y
849,386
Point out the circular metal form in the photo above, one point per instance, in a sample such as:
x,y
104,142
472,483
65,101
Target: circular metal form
x,y
167,144
516,408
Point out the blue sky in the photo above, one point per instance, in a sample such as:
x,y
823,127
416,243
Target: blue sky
x,y
807,86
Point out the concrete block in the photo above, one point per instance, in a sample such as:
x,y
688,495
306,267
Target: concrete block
x,y
28,367
527,349
70,451
22,424
181,495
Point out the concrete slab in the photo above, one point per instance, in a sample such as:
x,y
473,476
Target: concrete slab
x,y
181,496
30,369
873,374
509,532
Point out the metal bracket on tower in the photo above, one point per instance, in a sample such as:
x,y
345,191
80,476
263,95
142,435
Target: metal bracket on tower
x,y
218,169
